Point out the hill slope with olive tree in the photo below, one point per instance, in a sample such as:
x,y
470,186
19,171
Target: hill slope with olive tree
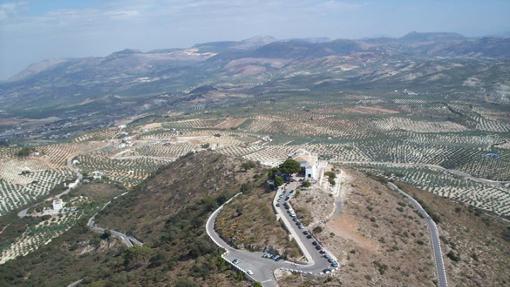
x,y
167,213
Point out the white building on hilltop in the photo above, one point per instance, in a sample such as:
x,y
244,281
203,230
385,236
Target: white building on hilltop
x,y
314,168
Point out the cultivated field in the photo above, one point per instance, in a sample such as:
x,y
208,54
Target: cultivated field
x,y
453,150
49,228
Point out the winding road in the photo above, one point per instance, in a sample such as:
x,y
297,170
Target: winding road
x,y
127,240
434,237
261,269
79,178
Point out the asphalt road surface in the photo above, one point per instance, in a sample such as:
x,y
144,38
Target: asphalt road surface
x,y
434,236
261,269
127,240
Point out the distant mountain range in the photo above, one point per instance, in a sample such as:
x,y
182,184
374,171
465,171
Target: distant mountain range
x,y
414,43
132,81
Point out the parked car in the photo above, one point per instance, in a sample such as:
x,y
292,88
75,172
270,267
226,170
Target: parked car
x,y
235,261
249,272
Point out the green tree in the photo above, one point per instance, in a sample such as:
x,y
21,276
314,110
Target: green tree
x,y
248,165
330,174
272,172
156,260
246,188
137,255
278,180
106,235
317,229
24,152
99,283
185,282
331,177
290,166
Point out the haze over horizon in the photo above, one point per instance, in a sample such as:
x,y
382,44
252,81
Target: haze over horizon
x,y
32,31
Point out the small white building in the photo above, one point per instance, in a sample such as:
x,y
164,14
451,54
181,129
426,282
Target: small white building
x,y
267,139
73,185
314,168
58,204
97,175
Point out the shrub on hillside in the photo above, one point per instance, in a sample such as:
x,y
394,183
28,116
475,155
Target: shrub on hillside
x,y
278,180
289,166
248,165
24,152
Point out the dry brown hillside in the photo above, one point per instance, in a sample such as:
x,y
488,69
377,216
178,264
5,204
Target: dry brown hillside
x,y
378,238
476,245
381,241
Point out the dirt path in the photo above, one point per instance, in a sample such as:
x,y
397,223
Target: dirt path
x,y
346,227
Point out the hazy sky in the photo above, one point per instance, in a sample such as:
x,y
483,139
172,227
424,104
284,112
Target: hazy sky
x,y
31,31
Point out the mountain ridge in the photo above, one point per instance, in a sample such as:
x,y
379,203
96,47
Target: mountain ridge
x,y
258,42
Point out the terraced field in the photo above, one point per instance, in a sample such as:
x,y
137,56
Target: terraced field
x,y
492,197
128,172
389,142
43,232
453,150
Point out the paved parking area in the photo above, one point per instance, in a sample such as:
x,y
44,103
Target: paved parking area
x,y
260,269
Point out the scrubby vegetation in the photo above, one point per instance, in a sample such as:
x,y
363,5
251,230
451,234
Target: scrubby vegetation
x,y
445,136
176,247
473,241
24,152
249,222
331,177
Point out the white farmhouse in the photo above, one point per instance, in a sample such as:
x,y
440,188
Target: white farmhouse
x,y
97,175
314,168
58,204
